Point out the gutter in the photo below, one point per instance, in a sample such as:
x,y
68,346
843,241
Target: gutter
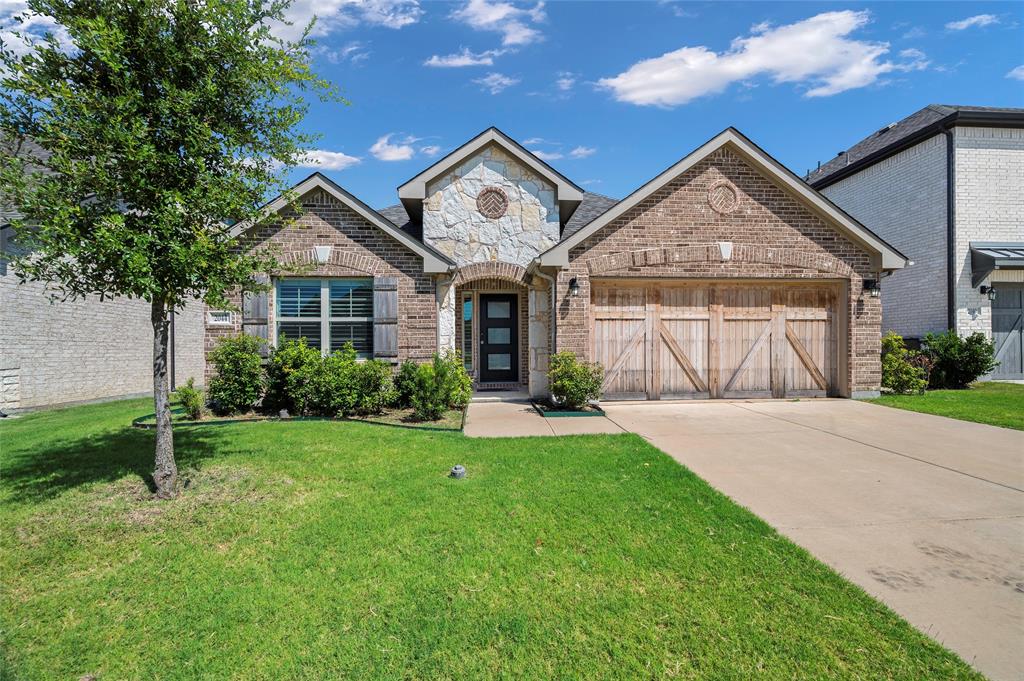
x,y
950,230
554,303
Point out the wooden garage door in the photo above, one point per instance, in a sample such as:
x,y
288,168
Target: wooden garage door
x,y
701,340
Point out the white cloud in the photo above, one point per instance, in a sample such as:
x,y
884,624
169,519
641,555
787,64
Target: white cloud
x,y
534,140
582,152
587,183
384,150
464,58
430,150
839,63
495,82
21,30
338,15
327,160
503,17
565,81
354,53
970,22
1017,73
547,155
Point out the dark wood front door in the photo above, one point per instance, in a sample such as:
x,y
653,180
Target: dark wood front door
x,y
499,338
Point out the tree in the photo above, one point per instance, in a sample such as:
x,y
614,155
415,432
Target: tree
x,y
125,149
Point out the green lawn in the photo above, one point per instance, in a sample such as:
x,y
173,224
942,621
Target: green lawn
x,y
997,404
324,549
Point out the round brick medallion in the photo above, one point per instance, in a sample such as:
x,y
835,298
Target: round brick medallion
x,y
722,197
492,202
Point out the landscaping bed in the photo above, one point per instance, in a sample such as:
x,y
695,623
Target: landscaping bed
x,y
452,419
330,549
549,410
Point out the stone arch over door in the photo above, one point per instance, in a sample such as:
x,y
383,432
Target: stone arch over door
x,y
504,271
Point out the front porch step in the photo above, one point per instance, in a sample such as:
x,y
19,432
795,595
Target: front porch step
x,y
501,396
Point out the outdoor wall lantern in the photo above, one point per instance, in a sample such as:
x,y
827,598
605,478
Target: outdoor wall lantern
x,y
574,287
872,287
988,291
322,254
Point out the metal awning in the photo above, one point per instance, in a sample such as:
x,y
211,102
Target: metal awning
x,y
992,255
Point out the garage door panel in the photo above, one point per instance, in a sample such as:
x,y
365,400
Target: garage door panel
x,y
716,339
1008,331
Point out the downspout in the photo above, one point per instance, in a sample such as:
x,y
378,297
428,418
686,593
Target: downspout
x,y
950,233
554,301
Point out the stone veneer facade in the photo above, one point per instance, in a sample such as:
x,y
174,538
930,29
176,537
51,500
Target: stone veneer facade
x,y
453,225
674,233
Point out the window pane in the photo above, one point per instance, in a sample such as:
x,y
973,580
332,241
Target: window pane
x,y
359,333
298,298
499,309
499,336
351,298
467,332
499,362
296,330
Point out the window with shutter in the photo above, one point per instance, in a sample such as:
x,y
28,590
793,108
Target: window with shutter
x,y
327,312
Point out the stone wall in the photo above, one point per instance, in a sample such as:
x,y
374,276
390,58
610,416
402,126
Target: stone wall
x,y
773,235
903,200
359,249
989,206
56,353
453,224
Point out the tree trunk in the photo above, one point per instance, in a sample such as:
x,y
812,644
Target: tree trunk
x,y
165,475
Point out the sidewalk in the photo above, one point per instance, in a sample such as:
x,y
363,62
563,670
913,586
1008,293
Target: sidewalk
x,y
519,419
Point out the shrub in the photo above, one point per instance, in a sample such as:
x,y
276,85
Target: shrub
x,y
191,399
441,385
239,382
574,383
405,383
373,388
900,373
289,364
959,361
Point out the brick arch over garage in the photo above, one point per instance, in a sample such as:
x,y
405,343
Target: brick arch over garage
x,y
504,271
723,254
342,260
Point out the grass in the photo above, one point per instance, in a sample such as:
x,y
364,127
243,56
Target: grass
x,y
329,549
997,404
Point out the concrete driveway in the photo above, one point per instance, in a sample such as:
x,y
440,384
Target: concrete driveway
x,y
925,513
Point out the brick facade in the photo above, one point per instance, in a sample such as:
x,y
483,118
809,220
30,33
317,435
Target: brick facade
x,y
674,233
359,249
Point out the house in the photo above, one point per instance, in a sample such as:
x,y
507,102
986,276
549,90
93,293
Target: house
x,y
945,185
56,352
724,276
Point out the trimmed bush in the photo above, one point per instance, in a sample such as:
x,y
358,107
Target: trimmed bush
x,y
574,383
441,385
289,364
338,384
959,361
900,373
239,382
373,388
405,383
191,399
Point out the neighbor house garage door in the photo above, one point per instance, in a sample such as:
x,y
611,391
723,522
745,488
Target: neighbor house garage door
x,y
717,339
1008,330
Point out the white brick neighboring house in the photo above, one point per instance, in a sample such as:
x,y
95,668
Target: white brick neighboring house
x,y
57,353
945,186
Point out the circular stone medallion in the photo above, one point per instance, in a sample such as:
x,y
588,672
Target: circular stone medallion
x,y
722,197
492,202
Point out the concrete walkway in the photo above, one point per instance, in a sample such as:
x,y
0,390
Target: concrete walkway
x,y
519,418
925,513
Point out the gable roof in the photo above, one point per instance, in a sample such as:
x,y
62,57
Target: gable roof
x,y
912,130
412,192
433,260
888,257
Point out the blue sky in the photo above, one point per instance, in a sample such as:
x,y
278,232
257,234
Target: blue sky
x,y
611,93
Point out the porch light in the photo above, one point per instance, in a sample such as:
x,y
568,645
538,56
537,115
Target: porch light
x,y
872,287
574,287
988,291
321,254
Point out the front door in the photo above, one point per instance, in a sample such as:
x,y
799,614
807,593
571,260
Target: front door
x,y
499,340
